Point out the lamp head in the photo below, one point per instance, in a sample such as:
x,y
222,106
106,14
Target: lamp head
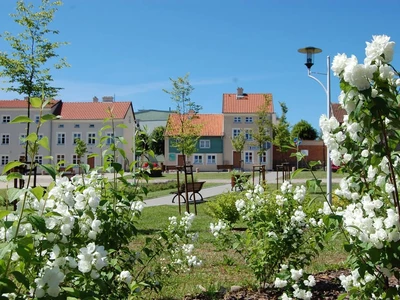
x,y
310,51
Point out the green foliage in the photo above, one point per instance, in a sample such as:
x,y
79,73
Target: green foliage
x,y
157,140
223,207
281,131
238,142
263,133
303,130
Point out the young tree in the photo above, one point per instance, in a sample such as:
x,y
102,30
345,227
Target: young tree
x,y
157,140
263,133
304,130
182,125
281,131
27,66
238,143
80,150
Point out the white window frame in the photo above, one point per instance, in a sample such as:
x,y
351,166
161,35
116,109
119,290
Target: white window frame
x,y
4,160
204,144
6,119
39,159
110,138
74,136
61,136
60,157
211,159
235,132
249,120
248,157
248,134
91,138
237,119
198,159
75,159
5,137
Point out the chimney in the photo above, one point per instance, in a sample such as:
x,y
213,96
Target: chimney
x,y
95,99
239,93
108,99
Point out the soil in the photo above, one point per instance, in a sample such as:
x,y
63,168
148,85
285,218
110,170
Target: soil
x,y
327,287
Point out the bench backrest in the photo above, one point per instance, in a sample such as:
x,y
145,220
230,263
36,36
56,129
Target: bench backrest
x,y
192,187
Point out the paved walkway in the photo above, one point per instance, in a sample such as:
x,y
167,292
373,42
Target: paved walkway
x,y
270,177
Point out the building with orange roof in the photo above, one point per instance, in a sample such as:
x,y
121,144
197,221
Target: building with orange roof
x,y
83,120
214,149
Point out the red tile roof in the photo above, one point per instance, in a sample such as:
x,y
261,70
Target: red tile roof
x,y
22,103
248,103
212,124
94,110
338,112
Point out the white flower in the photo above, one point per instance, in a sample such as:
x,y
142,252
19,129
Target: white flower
x,y
240,204
339,63
296,274
126,277
379,49
364,153
310,281
279,283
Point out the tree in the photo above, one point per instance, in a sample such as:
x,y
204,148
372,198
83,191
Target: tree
x,y
80,150
143,141
27,66
238,143
281,131
304,130
157,140
182,125
264,124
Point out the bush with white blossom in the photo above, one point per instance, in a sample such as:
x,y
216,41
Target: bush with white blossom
x,y
281,229
366,145
73,239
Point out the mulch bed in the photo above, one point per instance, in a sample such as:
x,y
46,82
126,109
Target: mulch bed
x,y
327,287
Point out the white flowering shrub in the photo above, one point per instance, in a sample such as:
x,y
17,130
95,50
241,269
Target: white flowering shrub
x,y
281,229
366,144
73,240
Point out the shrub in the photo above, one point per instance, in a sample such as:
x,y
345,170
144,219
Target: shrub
x,y
224,208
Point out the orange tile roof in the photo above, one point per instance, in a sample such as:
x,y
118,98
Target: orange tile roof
x,y
22,103
212,124
93,110
338,112
249,103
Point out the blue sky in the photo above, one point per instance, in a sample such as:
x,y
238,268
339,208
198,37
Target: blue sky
x,y
130,48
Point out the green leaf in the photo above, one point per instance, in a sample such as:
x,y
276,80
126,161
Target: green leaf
x,y
13,193
6,247
36,102
122,152
7,285
32,137
11,165
21,119
38,192
105,127
37,222
117,167
13,175
297,172
50,169
122,126
314,163
44,142
48,117
21,278
4,213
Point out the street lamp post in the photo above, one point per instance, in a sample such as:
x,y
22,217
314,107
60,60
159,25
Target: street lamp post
x,y
310,51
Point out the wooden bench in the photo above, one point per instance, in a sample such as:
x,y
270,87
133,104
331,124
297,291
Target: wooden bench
x,y
170,168
193,188
224,167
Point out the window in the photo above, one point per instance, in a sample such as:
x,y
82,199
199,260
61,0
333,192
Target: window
x,y
76,135
237,120
235,132
6,119
91,125
39,159
211,160
75,159
198,159
264,157
248,157
249,120
76,126
60,125
248,134
5,139
91,138
61,158
204,144
4,160
110,139
60,138
37,119
21,139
